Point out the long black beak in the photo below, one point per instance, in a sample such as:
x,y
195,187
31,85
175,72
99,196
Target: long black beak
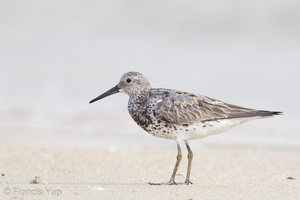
x,y
112,91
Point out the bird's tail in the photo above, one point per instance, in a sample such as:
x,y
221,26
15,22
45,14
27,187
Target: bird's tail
x,y
265,113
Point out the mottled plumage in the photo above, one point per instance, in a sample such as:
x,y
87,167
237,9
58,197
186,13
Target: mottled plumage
x,y
178,115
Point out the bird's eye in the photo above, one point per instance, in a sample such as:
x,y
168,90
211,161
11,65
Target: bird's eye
x,y
128,80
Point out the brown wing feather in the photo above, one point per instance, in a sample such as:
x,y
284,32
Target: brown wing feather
x,y
187,108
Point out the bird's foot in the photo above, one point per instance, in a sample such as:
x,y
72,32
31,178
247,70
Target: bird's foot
x,y
187,182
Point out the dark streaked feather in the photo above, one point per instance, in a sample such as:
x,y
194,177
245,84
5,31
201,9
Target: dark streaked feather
x,y
187,108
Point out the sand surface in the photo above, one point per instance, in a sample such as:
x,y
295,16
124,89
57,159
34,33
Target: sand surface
x,y
123,173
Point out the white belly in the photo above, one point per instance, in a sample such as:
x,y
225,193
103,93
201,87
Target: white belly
x,y
196,130
200,130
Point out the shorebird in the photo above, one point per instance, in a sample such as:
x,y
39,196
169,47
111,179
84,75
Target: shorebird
x,y
182,116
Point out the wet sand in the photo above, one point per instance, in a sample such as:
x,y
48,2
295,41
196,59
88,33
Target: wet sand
x,y
123,173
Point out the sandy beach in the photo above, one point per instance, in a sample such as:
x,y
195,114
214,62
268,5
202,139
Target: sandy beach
x,y
123,173
83,155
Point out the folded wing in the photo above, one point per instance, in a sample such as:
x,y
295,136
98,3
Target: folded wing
x,y
188,108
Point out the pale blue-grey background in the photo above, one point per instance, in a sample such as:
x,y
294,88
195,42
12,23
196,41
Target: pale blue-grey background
x,y
55,56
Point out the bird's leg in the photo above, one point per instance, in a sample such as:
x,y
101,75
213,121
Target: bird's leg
x,y
179,156
172,180
190,158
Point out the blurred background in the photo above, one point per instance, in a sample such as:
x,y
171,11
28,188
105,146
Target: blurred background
x,y
55,56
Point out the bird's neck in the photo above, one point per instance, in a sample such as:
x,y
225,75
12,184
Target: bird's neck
x,y
139,98
137,107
